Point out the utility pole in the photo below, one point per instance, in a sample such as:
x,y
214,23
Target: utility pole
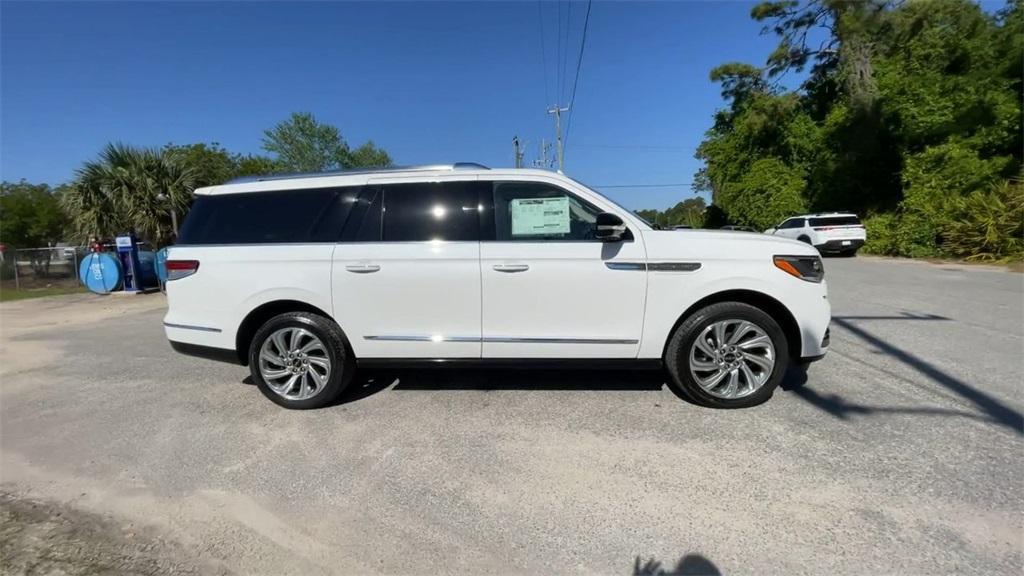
x,y
518,151
558,133
542,162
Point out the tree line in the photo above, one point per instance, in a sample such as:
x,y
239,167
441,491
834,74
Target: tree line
x,y
127,188
910,116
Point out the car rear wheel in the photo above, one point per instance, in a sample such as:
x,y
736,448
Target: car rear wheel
x,y
804,239
299,360
728,355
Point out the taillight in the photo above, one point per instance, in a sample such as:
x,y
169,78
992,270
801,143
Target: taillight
x,y
823,228
177,269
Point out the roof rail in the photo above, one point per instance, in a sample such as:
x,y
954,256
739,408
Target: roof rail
x,y
420,168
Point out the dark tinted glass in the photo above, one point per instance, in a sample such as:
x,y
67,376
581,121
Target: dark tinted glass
x,y
794,223
431,211
288,216
364,221
836,221
532,211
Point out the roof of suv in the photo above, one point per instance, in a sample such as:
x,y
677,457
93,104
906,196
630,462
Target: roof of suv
x,y
828,215
271,182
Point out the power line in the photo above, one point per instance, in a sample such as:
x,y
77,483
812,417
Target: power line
x,y
558,55
673,185
579,64
565,49
543,53
635,146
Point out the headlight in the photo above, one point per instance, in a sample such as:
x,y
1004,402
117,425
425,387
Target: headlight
x,y
807,268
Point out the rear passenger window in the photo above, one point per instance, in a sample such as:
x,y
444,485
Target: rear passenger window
x,y
431,211
835,221
532,211
287,216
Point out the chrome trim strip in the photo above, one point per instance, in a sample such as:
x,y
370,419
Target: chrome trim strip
x,y
626,265
673,266
655,266
508,340
188,327
498,339
404,338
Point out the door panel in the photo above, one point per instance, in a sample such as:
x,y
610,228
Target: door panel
x,y
409,300
408,285
550,290
562,300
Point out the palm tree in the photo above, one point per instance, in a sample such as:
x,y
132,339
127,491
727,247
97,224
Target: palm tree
x,y
129,189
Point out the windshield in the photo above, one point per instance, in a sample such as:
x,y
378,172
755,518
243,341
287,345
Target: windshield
x,y
631,212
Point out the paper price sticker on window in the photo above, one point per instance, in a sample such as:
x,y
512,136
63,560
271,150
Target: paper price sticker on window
x,y
540,216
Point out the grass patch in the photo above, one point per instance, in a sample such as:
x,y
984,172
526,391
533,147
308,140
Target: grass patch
x,y
9,295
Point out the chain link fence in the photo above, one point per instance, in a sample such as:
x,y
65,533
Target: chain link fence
x,y
39,268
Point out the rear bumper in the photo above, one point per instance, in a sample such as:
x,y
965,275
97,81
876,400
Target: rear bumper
x,y
840,245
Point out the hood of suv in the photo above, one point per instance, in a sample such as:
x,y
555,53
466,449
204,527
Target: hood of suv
x,y
721,244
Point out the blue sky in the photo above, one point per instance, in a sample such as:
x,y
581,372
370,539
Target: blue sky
x,y
429,82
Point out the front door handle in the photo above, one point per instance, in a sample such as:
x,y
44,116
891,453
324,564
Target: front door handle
x,y
511,267
362,268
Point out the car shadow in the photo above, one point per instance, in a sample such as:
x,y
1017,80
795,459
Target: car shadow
x,y
688,565
990,409
524,379
368,381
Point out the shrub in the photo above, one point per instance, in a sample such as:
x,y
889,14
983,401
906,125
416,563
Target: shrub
x,y
905,233
986,224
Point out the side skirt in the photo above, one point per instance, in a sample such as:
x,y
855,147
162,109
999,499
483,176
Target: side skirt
x,y
514,363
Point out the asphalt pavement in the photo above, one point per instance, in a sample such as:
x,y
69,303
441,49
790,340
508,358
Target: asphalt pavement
x,y
901,452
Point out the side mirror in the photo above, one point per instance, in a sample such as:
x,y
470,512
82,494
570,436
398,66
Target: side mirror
x,y
610,228
770,231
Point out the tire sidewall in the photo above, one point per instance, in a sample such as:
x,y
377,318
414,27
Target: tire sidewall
x,y
323,329
691,329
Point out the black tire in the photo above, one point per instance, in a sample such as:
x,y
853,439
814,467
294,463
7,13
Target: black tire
x,y
804,239
342,360
678,349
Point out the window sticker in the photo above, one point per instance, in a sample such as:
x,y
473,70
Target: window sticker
x,y
539,216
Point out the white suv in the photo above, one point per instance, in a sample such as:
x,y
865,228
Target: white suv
x,y
834,232
307,278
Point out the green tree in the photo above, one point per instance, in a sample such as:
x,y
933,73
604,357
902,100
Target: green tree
x,y
304,144
911,116
129,189
211,164
30,215
689,212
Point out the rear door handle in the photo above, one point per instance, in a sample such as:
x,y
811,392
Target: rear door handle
x,y
511,267
362,268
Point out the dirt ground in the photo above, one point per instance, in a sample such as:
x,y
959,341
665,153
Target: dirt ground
x,y
899,453
42,537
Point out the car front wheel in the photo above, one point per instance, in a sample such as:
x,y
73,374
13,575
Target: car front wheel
x,y
299,360
728,355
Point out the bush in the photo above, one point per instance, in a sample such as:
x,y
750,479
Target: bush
x,y
907,233
986,224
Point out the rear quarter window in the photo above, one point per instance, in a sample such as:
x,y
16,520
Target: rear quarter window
x,y
288,216
835,221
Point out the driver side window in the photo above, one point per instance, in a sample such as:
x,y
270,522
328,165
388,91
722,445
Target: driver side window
x,y
537,212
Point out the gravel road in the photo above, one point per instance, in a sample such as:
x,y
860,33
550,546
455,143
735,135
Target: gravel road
x,y
901,452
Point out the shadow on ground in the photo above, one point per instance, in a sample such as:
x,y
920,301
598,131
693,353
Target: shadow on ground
x,y
989,408
688,565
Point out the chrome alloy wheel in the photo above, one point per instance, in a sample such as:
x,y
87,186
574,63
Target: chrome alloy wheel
x,y
294,363
732,358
